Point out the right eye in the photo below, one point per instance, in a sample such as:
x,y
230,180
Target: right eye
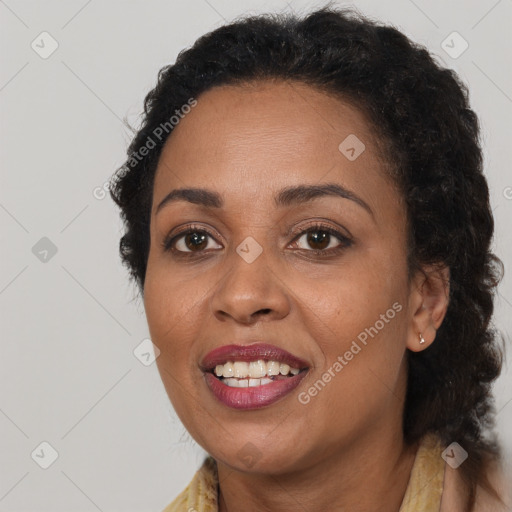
x,y
192,240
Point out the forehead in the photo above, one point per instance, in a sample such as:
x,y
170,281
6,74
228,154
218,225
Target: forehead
x,y
265,135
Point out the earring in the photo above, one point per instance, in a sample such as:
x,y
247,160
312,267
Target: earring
x,y
422,339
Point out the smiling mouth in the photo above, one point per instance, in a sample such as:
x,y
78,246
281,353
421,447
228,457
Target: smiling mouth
x,y
242,374
251,376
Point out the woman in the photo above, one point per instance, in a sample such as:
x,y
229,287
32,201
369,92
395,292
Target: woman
x,y
312,245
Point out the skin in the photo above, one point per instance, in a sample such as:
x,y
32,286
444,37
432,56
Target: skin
x,y
247,143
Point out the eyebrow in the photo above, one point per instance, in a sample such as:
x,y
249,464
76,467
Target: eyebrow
x,y
288,196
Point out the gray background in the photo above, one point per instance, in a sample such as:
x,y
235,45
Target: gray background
x,y
70,323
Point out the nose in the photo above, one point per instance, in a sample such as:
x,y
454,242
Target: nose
x,y
250,292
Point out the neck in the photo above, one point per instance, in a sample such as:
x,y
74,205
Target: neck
x,y
370,475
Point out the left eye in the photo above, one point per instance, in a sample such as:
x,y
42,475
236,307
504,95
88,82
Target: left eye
x,y
321,239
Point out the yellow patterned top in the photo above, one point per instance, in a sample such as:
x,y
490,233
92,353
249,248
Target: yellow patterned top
x,y
423,493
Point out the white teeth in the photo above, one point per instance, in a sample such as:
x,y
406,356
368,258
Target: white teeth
x,y
241,369
254,369
273,368
257,368
228,370
284,369
244,383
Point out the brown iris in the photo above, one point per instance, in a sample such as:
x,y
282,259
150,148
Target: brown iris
x,y
318,237
196,241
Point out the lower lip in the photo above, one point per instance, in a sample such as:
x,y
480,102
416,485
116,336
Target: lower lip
x,y
252,397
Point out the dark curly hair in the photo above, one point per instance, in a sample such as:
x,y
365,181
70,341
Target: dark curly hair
x,y
420,115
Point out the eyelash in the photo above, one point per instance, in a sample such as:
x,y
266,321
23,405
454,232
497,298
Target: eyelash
x,y
345,242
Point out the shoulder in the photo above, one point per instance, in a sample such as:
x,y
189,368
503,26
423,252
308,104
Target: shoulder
x,y
200,495
501,480
455,491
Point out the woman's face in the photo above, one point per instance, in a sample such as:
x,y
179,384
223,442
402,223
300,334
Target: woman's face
x,y
258,266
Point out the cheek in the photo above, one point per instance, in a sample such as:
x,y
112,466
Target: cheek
x,y
358,326
355,296
360,316
173,309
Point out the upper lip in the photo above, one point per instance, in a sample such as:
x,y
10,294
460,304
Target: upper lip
x,y
250,353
